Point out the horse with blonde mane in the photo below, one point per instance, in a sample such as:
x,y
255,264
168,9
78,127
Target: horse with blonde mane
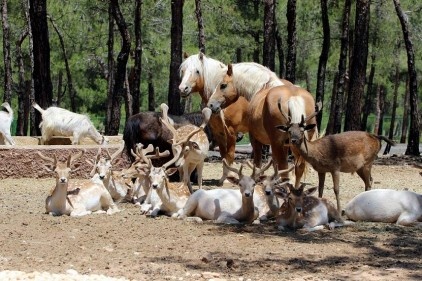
x,y
202,74
264,115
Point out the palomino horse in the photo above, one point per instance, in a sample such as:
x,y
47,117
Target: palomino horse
x,y
264,115
202,74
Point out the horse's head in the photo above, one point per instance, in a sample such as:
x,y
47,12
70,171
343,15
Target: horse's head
x,y
224,94
192,74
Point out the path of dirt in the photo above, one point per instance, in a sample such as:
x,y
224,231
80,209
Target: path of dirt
x,y
128,245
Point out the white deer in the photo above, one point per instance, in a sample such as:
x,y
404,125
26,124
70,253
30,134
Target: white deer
x,y
402,207
79,198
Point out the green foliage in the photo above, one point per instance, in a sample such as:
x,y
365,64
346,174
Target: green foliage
x,y
229,25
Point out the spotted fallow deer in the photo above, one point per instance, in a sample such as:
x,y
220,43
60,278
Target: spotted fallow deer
x,y
348,152
78,198
193,144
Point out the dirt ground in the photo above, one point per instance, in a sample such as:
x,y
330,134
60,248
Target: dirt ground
x,y
128,245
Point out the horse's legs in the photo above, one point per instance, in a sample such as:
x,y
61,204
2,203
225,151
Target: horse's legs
x,y
257,151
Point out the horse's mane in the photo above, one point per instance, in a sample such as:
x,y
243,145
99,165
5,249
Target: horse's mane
x,y
296,106
249,78
210,69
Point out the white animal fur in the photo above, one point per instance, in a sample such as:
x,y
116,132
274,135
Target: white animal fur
x,y
79,198
386,205
57,121
6,119
226,206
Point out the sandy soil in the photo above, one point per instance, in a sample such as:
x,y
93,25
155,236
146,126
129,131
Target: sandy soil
x,y
128,245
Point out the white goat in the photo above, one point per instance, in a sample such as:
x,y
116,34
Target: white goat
x,y
80,198
300,210
228,206
6,119
347,152
57,121
386,205
115,183
193,143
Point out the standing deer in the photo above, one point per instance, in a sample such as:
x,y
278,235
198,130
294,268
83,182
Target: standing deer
x,y
79,198
348,152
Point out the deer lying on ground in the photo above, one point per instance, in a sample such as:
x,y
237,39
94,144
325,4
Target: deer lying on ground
x,y
57,121
228,206
386,205
103,172
141,186
6,119
79,198
194,145
173,195
264,199
300,210
348,152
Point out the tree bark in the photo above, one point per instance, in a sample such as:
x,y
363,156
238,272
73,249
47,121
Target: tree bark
x,y
291,41
135,81
414,130
279,41
7,60
323,58
151,91
110,64
358,67
393,113
72,92
23,96
331,119
337,107
120,75
43,88
201,33
268,50
174,103
405,122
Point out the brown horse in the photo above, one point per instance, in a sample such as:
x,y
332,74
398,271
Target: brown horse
x,y
264,115
202,74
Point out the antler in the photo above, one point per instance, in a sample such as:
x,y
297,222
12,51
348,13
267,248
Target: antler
x,y
73,157
97,159
206,112
166,120
48,159
233,169
176,157
318,108
116,153
258,171
286,116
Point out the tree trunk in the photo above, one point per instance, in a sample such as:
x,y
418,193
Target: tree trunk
x,y
110,65
358,68
199,19
393,113
405,121
323,58
72,92
120,75
128,98
369,95
414,131
151,92
7,60
331,119
175,106
291,41
23,96
279,41
43,88
268,50
337,103
135,82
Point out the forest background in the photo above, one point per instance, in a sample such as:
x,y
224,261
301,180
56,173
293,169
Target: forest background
x,y
93,44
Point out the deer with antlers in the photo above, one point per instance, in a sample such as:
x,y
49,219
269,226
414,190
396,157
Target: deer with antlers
x,y
348,152
193,145
173,195
79,198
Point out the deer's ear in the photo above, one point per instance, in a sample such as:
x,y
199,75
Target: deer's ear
x,y
282,128
311,190
171,171
233,179
280,192
309,127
